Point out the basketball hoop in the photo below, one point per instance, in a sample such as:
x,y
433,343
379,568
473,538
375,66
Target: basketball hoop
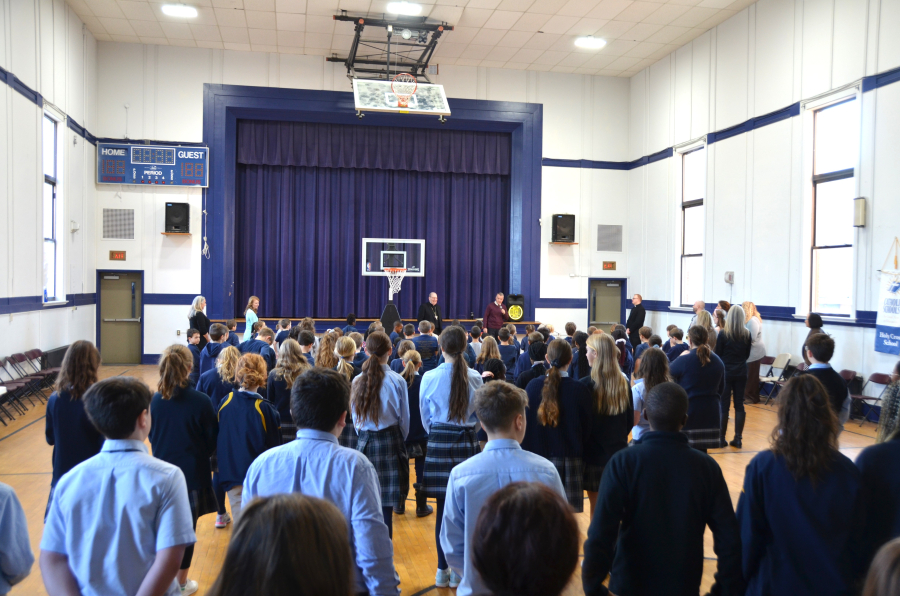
x,y
404,85
395,278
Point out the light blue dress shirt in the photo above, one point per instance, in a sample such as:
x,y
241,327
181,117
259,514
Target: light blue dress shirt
x,y
15,547
637,396
394,404
317,466
502,462
112,513
434,396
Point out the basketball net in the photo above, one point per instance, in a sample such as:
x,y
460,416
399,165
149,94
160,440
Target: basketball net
x,y
395,278
404,85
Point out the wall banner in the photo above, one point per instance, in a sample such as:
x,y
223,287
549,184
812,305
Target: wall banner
x,y
887,325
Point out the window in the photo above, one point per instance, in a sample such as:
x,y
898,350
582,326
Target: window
x,y
693,224
835,150
51,208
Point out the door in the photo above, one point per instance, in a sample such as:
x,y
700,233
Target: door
x,y
120,317
605,303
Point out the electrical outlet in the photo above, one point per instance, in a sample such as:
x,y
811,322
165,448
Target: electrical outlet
x,y
178,332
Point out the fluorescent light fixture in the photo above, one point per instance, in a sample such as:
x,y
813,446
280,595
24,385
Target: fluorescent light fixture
x,y
590,42
179,10
409,9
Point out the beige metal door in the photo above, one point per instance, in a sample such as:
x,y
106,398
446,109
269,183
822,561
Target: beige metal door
x,y
605,303
120,318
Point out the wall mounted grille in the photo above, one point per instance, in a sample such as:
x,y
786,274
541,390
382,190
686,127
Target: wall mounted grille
x,y
609,238
118,224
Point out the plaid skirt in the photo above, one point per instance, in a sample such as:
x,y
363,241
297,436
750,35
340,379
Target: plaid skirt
x,y
387,452
571,472
448,445
592,476
703,438
348,437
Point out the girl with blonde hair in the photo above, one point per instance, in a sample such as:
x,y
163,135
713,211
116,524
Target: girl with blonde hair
x,y
757,351
612,413
489,349
184,433
705,320
291,364
345,350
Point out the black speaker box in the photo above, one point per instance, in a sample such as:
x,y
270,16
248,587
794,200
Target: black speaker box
x,y
516,306
563,227
178,218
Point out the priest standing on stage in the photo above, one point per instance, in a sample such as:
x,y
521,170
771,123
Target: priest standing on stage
x,y
495,315
431,312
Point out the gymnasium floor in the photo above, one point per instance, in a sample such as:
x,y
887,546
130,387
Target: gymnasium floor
x,y
26,466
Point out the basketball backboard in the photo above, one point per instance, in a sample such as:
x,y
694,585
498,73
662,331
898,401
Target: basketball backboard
x,y
379,254
377,96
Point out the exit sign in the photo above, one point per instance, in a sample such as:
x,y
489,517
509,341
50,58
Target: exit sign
x,y
609,265
117,255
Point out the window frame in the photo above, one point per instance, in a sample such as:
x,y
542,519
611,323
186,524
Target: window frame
x,y
684,206
53,181
823,178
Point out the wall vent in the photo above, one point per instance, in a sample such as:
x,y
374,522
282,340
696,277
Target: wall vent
x,y
118,224
609,238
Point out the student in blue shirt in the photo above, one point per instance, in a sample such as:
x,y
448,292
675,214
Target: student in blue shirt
x,y
345,350
282,332
15,546
580,367
380,405
654,371
500,407
801,509
676,344
233,338
446,399
509,353
524,363
427,346
184,433
291,364
409,333
537,359
193,338
248,426
361,356
397,333
262,345
67,426
401,349
134,505
351,325
317,466
218,334
644,333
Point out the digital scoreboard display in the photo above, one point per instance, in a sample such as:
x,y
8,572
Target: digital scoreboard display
x,y
151,164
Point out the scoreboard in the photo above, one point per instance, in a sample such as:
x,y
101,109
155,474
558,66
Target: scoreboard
x,y
152,164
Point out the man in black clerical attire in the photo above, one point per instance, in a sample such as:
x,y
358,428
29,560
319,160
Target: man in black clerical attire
x,y
635,320
431,312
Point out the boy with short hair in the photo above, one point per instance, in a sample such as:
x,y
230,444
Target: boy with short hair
x,y
676,344
509,354
397,333
819,350
361,355
655,341
307,340
193,339
475,339
351,325
656,499
668,343
500,407
314,464
427,346
570,331
131,506
591,330
283,332
644,333
523,345
233,338
218,335
409,332
262,345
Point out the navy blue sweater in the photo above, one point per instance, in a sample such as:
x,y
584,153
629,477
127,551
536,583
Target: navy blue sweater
x,y
675,351
797,538
609,434
233,339
258,346
195,371
278,393
184,433
428,348
417,432
209,354
282,335
704,385
212,385
248,426
569,438
509,355
70,431
879,469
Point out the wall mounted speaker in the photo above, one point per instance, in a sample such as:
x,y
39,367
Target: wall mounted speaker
x,y
178,218
563,228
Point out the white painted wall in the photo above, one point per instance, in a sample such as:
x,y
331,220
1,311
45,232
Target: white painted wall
x,y
43,43
766,57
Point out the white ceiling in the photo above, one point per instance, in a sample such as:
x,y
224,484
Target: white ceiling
x,y
519,34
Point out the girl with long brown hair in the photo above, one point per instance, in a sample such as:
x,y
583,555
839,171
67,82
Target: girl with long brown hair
x,y
612,412
325,357
184,433
559,419
702,374
446,397
67,426
655,372
291,364
801,509
379,403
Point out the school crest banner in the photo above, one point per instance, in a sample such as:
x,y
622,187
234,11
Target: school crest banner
x,y
887,324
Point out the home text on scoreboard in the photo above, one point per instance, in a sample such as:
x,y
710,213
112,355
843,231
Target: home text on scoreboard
x,y
152,164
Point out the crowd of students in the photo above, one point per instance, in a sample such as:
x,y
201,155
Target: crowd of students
x,y
310,439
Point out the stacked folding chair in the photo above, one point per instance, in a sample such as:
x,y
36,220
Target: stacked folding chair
x,y
775,383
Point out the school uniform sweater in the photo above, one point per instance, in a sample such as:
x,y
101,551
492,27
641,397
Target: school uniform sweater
x,y
233,339
278,393
536,371
209,354
214,387
675,351
258,346
509,355
879,469
248,426
70,431
195,370
834,385
655,501
569,438
609,434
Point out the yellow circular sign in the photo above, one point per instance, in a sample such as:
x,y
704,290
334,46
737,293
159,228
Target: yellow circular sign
x,y
515,312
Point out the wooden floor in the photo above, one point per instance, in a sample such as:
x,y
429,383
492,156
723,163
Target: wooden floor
x,y
26,466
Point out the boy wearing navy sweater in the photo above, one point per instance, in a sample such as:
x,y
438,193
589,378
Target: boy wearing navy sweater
x,y
656,499
233,338
262,345
283,331
676,344
351,325
218,334
130,505
508,353
193,338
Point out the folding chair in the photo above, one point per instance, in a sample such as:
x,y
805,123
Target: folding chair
x,y
40,356
33,382
48,377
848,376
878,379
781,362
16,389
766,361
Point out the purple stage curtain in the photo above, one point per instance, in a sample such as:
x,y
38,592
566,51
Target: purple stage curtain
x,y
298,229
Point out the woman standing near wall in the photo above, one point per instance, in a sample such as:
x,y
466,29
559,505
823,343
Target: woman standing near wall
x,y
733,347
757,352
814,322
251,316
198,320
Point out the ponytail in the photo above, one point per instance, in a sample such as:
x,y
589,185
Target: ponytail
x,y
345,368
411,361
345,349
365,394
699,336
560,354
453,342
